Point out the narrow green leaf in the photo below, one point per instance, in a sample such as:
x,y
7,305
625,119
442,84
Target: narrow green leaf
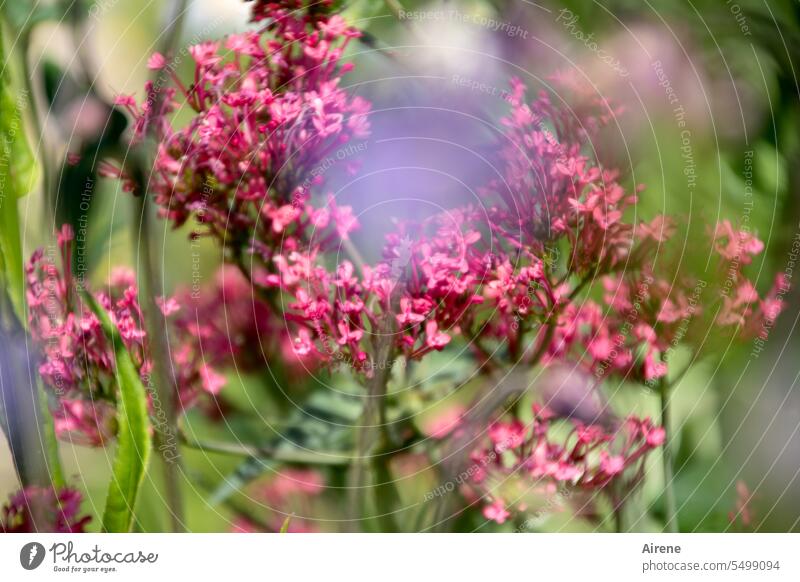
x,y
133,436
18,173
17,176
11,276
50,441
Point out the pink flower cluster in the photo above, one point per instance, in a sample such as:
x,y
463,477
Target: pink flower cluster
x,y
491,274
551,188
77,359
742,307
43,510
419,295
212,328
225,325
588,458
618,336
268,110
78,363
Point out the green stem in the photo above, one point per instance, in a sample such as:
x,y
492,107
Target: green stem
x,y
283,456
618,505
670,512
374,443
618,517
165,388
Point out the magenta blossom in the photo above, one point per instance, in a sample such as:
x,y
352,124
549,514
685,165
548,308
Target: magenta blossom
x,y
43,510
587,459
78,362
268,111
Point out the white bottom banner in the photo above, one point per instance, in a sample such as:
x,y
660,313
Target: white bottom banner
x,y
390,557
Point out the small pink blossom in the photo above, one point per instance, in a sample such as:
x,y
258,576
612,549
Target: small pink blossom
x,y
205,53
434,338
743,511
156,62
213,382
302,343
168,306
734,244
496,511
612,464
656,436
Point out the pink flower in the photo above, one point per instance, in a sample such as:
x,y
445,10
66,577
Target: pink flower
x,y
612,464
434,338
734,244
283,217
344,220
127,101
660,229
320,218
205,53
348,335
653,368
212,381
407,314
743,510
246,105
601,348
507,435
335,27
289,483
496,511
167,306
43,510
78,362
156,62
85,422
223,325
302,343
656,436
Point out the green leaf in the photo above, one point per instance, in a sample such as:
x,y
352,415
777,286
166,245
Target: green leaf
x,y
133,437
50,441
17,176
11,274
18,173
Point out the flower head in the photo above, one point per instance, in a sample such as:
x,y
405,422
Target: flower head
x,y
588,458
43,510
